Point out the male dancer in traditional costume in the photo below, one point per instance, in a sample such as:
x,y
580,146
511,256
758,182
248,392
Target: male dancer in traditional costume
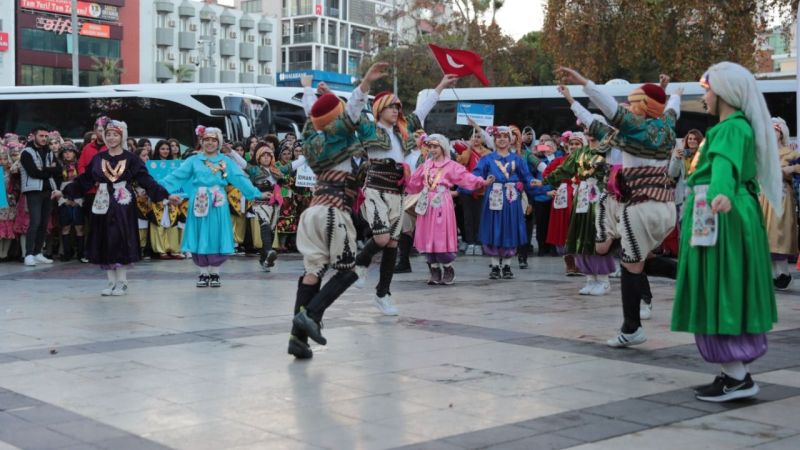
x,y
645,132
325,234
388,141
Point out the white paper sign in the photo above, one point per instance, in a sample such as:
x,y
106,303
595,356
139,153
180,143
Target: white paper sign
x,y
305,177
482,114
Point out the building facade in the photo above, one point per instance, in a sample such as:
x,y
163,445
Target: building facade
x,y
8,69
206,42
42,41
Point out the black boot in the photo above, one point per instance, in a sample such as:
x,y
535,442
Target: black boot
x,y
403,253
631,288
268,255
387,271
661,266
67,245
79,242
298,340
523,260
309,318
364,257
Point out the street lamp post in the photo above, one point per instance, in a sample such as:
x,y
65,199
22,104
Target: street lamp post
x,y
75,31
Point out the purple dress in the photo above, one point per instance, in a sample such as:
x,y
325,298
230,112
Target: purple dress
x,y
113,237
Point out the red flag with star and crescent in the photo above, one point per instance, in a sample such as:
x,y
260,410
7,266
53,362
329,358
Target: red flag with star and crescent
x,y
459,62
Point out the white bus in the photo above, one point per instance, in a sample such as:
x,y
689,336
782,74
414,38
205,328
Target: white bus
x,y
153,111
544,109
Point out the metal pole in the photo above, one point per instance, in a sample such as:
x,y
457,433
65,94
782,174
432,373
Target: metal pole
x,y
797,75
75,32
396,41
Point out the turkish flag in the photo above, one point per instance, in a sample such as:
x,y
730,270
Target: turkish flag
x,y
459,62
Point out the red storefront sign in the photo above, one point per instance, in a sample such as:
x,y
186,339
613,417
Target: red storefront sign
x,y
62,26
3,41
85,9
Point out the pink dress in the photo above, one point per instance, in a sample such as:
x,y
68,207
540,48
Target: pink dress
x,y
436,227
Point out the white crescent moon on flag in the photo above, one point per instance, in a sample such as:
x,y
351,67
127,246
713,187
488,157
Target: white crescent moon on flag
x,y
452,63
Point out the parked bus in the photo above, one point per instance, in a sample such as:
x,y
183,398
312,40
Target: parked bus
x,y
544,109
153,111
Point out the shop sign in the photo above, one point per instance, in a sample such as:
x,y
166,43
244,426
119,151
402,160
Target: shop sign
x,y
63,26
85,9
3,41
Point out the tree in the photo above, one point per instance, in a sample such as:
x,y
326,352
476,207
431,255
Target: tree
x,y
637,40
182,74
109,69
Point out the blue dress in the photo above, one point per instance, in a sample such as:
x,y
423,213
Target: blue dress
x,y
212,233
504,228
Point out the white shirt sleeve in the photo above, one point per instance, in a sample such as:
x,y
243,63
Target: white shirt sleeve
x,y
541,167
674,103
309,97
237,158
582,113
356,104
487,140
427,103
606,103
298,162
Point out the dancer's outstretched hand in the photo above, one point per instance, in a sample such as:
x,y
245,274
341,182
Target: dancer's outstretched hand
x,y
563,90
175,199
571,76
448,81
489,180
376,72
663,81
720,203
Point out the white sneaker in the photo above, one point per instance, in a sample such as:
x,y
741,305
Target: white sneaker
x,y
40,258
616,274
645,311
601,288
627,340
30,260
470,250
478,250
386,305
119,289
108,290
586,290
361,271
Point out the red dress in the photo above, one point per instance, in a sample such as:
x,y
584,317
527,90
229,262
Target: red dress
x,y
559,218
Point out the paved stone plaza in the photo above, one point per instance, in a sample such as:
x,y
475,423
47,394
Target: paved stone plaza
x,y
517,364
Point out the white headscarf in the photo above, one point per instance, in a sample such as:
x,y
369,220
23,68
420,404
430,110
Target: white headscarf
x,y
442,141
784,142
737,86
121,128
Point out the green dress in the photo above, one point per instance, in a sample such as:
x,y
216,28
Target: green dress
x,y
726,289
582,164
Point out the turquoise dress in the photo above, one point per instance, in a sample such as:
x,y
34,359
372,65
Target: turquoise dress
x,y
211,234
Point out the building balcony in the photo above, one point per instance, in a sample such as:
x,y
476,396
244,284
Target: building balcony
x,y
164,7
302,38
300,65
162,72
165,37
227,19
207,75
187,40
247,78
227,47
247,51
264,27
247,23
189,73
227,76
186,11
265,54
265,79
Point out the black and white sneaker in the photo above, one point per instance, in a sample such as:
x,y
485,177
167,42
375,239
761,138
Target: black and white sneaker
x,y
726,388
202,281
507,273
272,255
495,273
214,281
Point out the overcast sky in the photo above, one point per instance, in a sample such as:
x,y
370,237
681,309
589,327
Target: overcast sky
x,y
518,17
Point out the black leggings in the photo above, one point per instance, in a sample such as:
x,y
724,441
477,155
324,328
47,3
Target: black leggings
x,y
471,209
